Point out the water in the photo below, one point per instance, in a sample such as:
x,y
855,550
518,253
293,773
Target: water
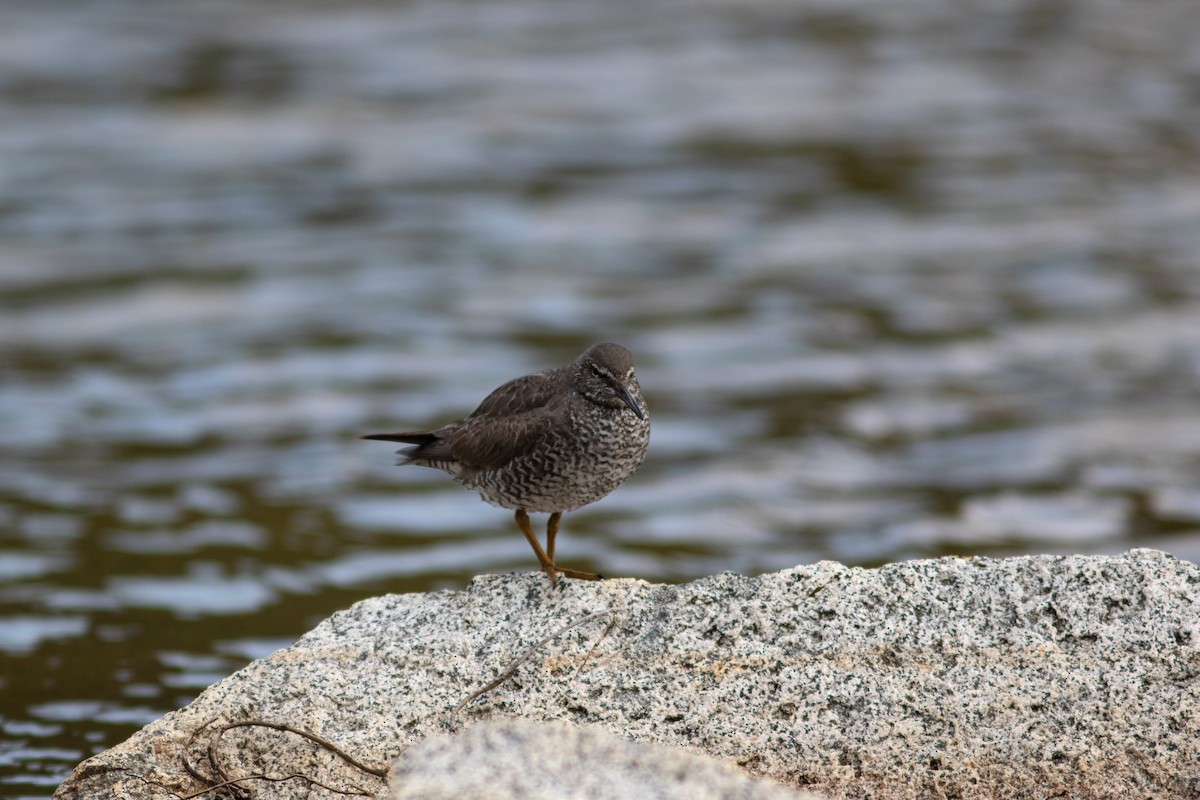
x,y
902,279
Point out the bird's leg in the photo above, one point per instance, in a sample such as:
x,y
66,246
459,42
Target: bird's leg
x,y
551,533
546,562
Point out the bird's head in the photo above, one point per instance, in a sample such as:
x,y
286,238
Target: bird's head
x,y
604,375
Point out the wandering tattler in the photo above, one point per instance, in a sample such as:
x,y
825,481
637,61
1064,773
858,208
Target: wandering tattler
x,y
552,441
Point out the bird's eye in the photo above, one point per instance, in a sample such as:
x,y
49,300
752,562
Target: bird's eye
x,y
596,371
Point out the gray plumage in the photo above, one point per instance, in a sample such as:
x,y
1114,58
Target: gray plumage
x,y
552,441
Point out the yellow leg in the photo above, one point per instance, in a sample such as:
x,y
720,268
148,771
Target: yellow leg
x,y
546,557
551,533
543,559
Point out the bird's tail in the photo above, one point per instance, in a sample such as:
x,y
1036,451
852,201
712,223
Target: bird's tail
x,y
407,454
410,438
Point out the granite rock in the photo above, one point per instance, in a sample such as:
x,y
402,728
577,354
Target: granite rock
x,y
1039,676
520,760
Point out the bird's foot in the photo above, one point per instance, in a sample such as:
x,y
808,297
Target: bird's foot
x,y
577,575
554,572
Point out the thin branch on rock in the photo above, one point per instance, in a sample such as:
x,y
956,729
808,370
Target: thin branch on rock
x,y
511,669
378,772
612,623
242,791
222,779
209,781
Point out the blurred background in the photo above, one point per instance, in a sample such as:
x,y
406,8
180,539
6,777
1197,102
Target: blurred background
x,y
903,278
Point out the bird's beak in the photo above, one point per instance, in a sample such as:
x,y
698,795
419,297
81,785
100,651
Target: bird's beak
x,y
629,401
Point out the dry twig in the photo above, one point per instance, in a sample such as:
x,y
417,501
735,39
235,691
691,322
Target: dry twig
x,y
512,668
223,780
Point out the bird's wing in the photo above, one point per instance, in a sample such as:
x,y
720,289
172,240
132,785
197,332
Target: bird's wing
x,y
506,424
490,442
519,395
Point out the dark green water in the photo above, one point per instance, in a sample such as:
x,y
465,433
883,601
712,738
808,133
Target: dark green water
x,y
903,279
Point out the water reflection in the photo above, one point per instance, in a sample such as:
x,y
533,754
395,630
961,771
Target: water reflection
x,y
901,281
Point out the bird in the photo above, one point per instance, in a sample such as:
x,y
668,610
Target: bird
x,y
550,442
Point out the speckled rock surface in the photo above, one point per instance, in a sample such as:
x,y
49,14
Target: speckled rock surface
x,y
521,760
1020,678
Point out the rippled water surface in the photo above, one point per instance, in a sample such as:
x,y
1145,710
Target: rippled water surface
x,y
903,279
